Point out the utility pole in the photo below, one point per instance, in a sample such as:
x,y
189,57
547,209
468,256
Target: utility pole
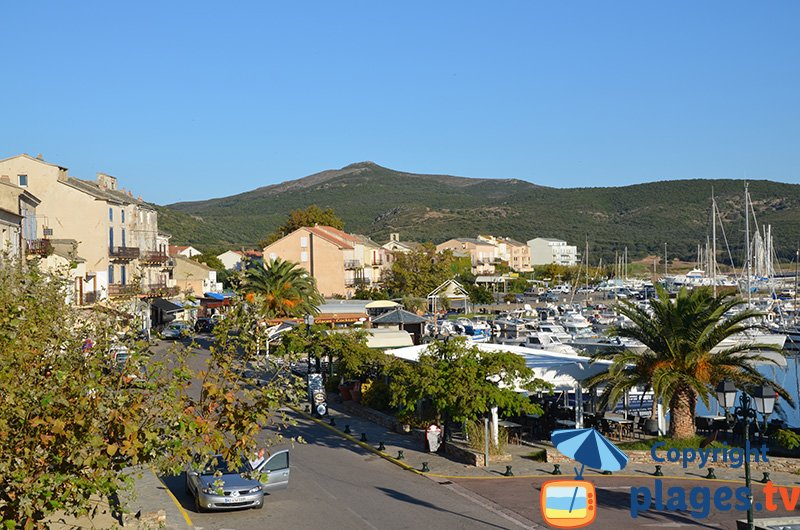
x,y
665,260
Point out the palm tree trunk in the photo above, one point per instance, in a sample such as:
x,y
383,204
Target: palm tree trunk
x,y
681,416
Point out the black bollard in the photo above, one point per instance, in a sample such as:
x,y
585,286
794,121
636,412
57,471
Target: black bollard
x,y
425,468
381,446
508,472
711,473
347,429
556,469
363,437
333,421
658,472
765,479
400,455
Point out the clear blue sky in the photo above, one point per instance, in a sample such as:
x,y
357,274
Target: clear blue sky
x,y
191,100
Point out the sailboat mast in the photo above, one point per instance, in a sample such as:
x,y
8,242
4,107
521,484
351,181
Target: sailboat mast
x,y
749,265
587,261
796,260
713,259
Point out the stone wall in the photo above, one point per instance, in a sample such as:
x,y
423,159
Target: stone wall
x,y
467,456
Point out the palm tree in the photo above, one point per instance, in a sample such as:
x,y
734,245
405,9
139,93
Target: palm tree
x,y
679,365
286,289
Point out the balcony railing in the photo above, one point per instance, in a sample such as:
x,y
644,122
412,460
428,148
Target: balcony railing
x,y
160,290
117,289
352,264
38,247
376,262
155,257
123,253
355,282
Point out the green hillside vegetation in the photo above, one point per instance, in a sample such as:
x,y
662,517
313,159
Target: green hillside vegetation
x,y
376,201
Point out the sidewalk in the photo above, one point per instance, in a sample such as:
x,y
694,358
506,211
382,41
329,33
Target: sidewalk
x,y
442,467
150,506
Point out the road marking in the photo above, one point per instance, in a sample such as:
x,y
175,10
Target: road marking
x,y
673,525
480,501
361,518
174,500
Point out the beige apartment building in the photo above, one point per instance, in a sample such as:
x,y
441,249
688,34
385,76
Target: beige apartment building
x,y
17,220
193,277
339,261
513,252
482,254
115,235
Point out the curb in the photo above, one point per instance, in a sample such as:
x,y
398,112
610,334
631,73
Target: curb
x,y
175,501
361,444
406,467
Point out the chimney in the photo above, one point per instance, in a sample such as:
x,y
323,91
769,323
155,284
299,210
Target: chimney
x,y
39,157
394,236
139,198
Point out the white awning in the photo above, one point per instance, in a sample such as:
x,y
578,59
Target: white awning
x,y
564,372
381,304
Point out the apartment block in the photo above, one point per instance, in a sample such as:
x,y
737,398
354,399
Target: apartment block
x,y
340,262
545,250
482,254
112,233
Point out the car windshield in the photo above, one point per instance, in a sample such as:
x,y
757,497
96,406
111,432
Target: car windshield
x,y
218,464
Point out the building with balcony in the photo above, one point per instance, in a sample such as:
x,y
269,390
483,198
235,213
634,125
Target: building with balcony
x,y
513,252
482,254
111,229
340,262
545,250
18,221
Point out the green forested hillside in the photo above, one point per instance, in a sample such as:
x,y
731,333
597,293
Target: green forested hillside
x,y
375,201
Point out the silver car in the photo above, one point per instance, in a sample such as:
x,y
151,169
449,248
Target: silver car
x,y
216,486
176,330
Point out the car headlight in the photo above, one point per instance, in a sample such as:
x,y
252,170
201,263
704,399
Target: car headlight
x,y
255,490
210,490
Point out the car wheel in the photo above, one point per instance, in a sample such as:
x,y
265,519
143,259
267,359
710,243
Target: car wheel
x,y
197,506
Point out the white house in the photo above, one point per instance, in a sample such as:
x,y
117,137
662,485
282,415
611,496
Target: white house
x,y
231,259
183,250
546,250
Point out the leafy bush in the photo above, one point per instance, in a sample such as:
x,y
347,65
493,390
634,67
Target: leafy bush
x,y
788,439
477,440
376,395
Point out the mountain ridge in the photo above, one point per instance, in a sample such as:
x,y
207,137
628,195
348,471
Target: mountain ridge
x,y
375,201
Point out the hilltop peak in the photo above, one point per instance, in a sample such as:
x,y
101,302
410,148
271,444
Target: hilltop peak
x,y
366,164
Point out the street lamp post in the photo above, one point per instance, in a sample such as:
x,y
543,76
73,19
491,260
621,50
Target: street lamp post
x,y
764,400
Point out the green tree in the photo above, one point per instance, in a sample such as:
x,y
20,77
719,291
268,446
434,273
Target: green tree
x,y
211,261
418,272
462,382
310,216
679,364
73,419
479,294
281,289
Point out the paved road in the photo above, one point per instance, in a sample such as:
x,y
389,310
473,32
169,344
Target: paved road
x,y
613,500
335,484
